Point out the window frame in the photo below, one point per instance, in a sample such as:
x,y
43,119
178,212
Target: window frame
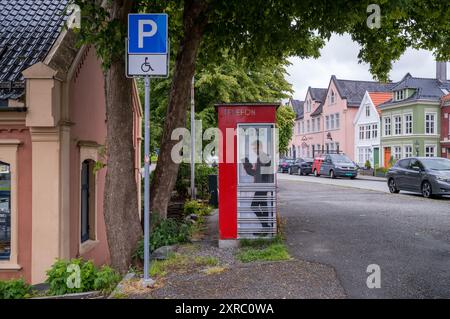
x,y
8,154
387,125
400,126
435,128
408,122
434,146
406,153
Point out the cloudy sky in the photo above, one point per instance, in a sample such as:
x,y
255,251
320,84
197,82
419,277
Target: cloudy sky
x,y
340,57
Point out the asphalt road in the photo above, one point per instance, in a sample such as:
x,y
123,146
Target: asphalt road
x,y
350,228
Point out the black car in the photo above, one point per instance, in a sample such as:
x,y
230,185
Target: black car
x,y
285,163
301,166
427,175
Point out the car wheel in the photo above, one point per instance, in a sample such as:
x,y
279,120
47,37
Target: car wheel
x,y
427,191
332,174
290,171
299,172
353,177
392,186
316,174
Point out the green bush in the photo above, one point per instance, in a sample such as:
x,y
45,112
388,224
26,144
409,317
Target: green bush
x,y
196,207
165,232
367,165
91,278
14,289
201,179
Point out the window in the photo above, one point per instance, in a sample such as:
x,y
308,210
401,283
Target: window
x,y
308,128
318,124
397,125
5,211
404,163
400,95
387,126
408,151
332,97
298,127
302,126
327,122
408,124
337,120
367,110
368,132
397,152
374,130
361,132
308,106
337,146
87,201
332,122
313,122
430,123
430,150
9,222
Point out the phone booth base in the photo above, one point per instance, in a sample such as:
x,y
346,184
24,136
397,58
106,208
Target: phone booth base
x,y
247,172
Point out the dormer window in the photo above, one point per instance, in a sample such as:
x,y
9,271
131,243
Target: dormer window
x,y
367,110
400,95
308,106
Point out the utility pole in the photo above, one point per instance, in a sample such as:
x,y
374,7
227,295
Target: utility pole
x,y
193,195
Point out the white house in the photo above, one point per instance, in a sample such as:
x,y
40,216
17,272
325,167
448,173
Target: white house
x,y
367,128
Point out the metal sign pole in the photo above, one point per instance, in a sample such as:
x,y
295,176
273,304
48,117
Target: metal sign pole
x,y
193,195
147,280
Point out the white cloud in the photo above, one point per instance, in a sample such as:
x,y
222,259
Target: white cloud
x,y
340,57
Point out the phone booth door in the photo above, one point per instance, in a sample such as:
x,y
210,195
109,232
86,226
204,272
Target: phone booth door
x,y
256,198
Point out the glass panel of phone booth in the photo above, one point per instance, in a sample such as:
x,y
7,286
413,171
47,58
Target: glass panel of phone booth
x,y
256,181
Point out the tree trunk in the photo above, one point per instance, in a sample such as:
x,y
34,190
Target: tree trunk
x,y
123,228
194,22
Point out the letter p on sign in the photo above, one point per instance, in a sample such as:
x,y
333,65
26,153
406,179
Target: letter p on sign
x,y
142,33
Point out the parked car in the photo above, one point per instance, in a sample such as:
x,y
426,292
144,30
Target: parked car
x,y
301,166
334,165
427,175
285,163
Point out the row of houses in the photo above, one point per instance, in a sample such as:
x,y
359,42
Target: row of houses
x,y
373,121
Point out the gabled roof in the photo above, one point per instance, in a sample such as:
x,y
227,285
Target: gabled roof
x,y
425,89
379,98
354,91
28,31
318,110
317,94
297,105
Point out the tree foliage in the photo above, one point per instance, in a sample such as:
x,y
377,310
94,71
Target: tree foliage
x,y
285,125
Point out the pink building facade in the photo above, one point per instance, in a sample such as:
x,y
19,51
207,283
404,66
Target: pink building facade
x,y
52,134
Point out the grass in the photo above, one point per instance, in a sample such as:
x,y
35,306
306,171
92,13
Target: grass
x,y
215,270
179,262
263,250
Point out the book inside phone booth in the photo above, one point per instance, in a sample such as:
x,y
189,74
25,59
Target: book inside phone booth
x,y
247,172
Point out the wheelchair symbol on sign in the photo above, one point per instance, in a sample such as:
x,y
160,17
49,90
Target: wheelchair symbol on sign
x,y
146,67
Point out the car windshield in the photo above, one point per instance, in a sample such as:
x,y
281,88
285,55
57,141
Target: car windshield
x,y
437,164
288,161
337,158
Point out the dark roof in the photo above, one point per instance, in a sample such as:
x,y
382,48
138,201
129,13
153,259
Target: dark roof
x,y
425,89
297,105
28,31
354,91
318,110
318,94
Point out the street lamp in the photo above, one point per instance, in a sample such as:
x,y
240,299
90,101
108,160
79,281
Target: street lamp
x,y
417,144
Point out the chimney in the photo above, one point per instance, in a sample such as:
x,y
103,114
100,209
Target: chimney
x,y
441,71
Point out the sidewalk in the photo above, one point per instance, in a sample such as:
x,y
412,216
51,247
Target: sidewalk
x,y
371,178
234,279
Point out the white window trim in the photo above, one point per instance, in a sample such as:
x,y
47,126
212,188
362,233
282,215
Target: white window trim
x,y
394,125
404,124
412,149
393,151
8,154
430,145
436,129
87,152
384,125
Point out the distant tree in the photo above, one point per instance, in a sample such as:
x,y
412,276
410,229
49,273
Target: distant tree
x,y
285,125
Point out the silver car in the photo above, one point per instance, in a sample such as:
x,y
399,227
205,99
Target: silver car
x,y
427,175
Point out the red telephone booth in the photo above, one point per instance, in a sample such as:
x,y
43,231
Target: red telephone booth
x,y
247,171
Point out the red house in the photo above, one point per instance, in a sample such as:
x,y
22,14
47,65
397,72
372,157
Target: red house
x,y
445,126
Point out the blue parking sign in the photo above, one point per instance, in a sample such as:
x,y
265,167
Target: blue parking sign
x,y
147,33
